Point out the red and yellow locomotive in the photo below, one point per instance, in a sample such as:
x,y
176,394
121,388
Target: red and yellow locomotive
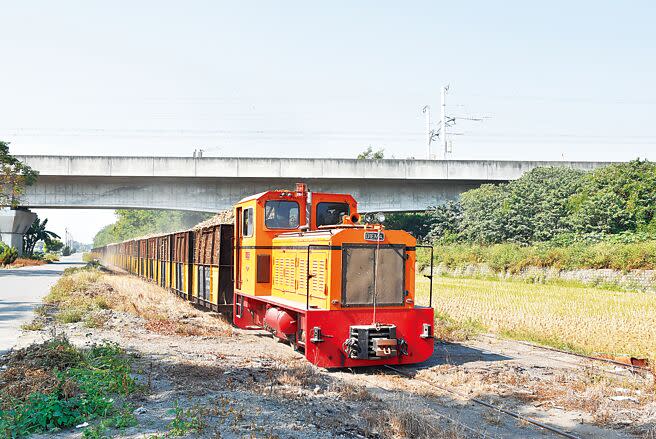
x,y
303,268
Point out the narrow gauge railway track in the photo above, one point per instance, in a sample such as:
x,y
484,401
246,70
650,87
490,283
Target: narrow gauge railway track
x,y
440,415
630,367
410,375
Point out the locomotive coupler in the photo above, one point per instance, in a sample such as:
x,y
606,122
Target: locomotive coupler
x,y
372,342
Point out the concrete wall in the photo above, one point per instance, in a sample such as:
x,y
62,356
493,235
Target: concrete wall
x,y
636,280
13,224
211,184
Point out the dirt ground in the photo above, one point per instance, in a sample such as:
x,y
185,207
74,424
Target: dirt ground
x,y
243,384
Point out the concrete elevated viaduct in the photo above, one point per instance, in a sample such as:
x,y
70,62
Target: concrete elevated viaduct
x,y
213,184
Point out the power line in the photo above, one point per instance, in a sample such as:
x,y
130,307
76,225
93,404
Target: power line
x,y
336,135
572,100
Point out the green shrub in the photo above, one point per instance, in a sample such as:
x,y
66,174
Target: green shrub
x,y
71,315
51,257
7,254
37,256
83,384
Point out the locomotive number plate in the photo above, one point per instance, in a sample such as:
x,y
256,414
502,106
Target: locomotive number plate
x,y
374,236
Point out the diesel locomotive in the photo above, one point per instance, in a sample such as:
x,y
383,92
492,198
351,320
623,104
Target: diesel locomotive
x,y
303,266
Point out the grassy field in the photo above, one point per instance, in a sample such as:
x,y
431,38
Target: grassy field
x,y
576,318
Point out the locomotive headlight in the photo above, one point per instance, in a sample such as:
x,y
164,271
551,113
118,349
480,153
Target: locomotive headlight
x,y
380,217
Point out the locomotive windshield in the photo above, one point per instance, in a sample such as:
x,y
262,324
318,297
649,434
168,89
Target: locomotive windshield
x,y
329,214
281,214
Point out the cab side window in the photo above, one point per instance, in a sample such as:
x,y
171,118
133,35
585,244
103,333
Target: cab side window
x,y
329,214
247,225
281,214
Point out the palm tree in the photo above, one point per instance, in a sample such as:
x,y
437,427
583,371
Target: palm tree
x,y
37,232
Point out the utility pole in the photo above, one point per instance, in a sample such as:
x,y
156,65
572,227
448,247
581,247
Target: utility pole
x,y
443,126
440,132
429,133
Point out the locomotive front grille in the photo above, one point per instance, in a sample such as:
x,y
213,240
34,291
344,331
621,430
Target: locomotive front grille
x,y
373,275
370,342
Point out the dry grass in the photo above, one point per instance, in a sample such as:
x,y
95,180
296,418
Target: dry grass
x,y
165,312
24,262
399,420
587,320
588,390
80,293
351,392
95,320
34,325
303,375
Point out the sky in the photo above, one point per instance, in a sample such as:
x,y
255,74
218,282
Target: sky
x,y
552,81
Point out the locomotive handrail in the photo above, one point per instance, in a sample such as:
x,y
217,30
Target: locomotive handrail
x,y
308,275
429,276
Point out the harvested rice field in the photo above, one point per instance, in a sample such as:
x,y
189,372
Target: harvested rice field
x,y
581,319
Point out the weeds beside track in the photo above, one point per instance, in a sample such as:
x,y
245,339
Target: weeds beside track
x,y
408,374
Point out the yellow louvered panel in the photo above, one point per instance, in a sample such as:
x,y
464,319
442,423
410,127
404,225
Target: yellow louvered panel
x,y
290,274
318,282
302,276
279,273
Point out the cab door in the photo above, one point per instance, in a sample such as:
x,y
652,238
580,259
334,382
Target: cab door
x,y
245,250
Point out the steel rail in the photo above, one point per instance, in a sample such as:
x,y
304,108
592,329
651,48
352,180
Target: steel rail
x,y
486,404
632,367
588,357
441,416
570,362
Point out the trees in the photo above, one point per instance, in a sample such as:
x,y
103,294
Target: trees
x,y
445,221
530,209
132,223
550,203
37,232
53,245
617,198
370,154
536,207
484,214
14,177
416,223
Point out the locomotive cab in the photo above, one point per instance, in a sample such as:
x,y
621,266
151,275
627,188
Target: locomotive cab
x,y
307,271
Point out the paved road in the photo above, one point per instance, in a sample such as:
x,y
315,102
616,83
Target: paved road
x,y
21,289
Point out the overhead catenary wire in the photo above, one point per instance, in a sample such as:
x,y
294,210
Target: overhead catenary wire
x,y
289,134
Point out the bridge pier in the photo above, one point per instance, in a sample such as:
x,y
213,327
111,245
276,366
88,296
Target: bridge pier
x,y
13,225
